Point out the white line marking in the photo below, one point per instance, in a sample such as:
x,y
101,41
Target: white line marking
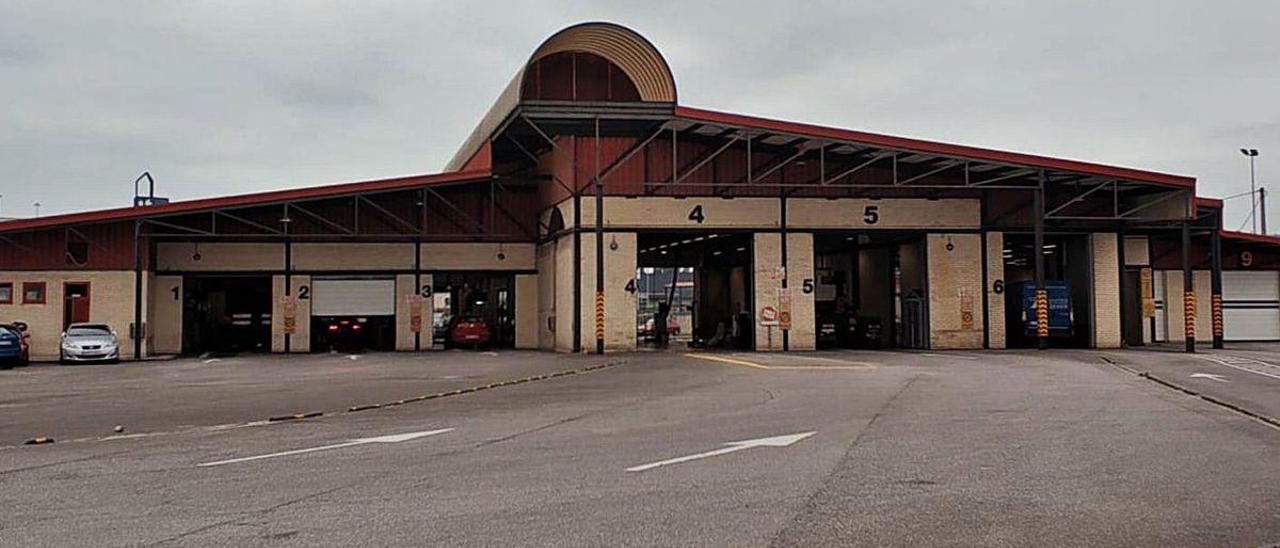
x,y
1239,363
1209,376
733,446
394,438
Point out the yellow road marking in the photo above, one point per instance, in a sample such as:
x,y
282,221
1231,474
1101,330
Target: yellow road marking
x,y
726,360
745,363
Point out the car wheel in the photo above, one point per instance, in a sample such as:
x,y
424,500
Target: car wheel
x,y
6,365
62,359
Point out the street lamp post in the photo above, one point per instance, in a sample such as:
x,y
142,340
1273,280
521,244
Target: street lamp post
x,y
1252,153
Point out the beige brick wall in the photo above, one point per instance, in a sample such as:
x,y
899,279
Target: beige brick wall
x,y
1201,284
527,313
1106,289
620,305
803,334
300,341
277,314
767,256
475,256
995,301
165,323
563,266
352,256
662,212
110,302
216,257
406,294
547,297
955,284
1136,251
888,213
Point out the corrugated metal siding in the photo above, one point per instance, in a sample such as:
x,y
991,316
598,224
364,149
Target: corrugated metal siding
x,y
110,248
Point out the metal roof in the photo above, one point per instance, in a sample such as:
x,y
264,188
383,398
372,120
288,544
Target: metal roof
x,y
920,146
243,200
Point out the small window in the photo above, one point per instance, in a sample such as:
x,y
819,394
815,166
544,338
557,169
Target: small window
x,y
77,253
33,293
6,293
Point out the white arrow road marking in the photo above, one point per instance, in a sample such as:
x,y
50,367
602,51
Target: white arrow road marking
x,y
394,438
733,446
1209,376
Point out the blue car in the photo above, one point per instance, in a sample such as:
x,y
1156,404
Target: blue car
x,y
14,349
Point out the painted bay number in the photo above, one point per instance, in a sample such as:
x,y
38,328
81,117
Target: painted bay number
x,y
871,214
304,292
696,214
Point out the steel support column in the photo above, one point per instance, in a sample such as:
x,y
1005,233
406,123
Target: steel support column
x,y
1122,290
1042,296
786,333
137,291
599,189
577,267
1188,290
288,274
1215,243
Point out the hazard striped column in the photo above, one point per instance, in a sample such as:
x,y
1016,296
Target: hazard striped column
x,y
1217,317
1188,290
599,317
1189,314
1215,282
1042,313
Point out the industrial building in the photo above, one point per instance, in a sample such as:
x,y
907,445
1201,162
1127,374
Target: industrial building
x,y
588,193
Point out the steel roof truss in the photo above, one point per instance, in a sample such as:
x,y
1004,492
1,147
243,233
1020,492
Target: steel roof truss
x,y
320,218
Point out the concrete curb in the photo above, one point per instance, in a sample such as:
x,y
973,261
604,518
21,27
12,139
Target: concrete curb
x,y
490,386
296,416
42,440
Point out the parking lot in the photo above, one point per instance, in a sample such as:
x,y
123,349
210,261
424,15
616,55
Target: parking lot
x,y
828,448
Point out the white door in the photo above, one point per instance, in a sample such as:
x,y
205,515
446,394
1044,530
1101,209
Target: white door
x,y
1250,305
353,296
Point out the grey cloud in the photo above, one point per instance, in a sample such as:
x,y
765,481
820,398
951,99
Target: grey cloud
x,y
222,97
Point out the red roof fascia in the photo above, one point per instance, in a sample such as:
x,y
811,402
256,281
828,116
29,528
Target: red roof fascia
x,y
241,200
1250,237
1211,203
932,147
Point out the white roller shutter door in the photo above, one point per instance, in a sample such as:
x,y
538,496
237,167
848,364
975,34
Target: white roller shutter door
x,y
353,297
1250,305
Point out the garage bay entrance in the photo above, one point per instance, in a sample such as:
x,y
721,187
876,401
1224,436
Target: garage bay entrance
x,y
473,310
226,314
870,290
1068,282
697,285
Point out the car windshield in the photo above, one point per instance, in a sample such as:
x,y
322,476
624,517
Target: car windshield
x,y
88,331
5,331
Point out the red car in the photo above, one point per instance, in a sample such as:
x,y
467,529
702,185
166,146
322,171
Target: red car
x,y
470,331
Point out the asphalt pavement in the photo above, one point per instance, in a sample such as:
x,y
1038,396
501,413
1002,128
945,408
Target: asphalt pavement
x,y
832,448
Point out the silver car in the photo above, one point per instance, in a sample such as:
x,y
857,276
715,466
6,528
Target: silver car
x,y
89,342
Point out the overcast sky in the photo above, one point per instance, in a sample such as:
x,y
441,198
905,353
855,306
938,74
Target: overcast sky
x,y
217,98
